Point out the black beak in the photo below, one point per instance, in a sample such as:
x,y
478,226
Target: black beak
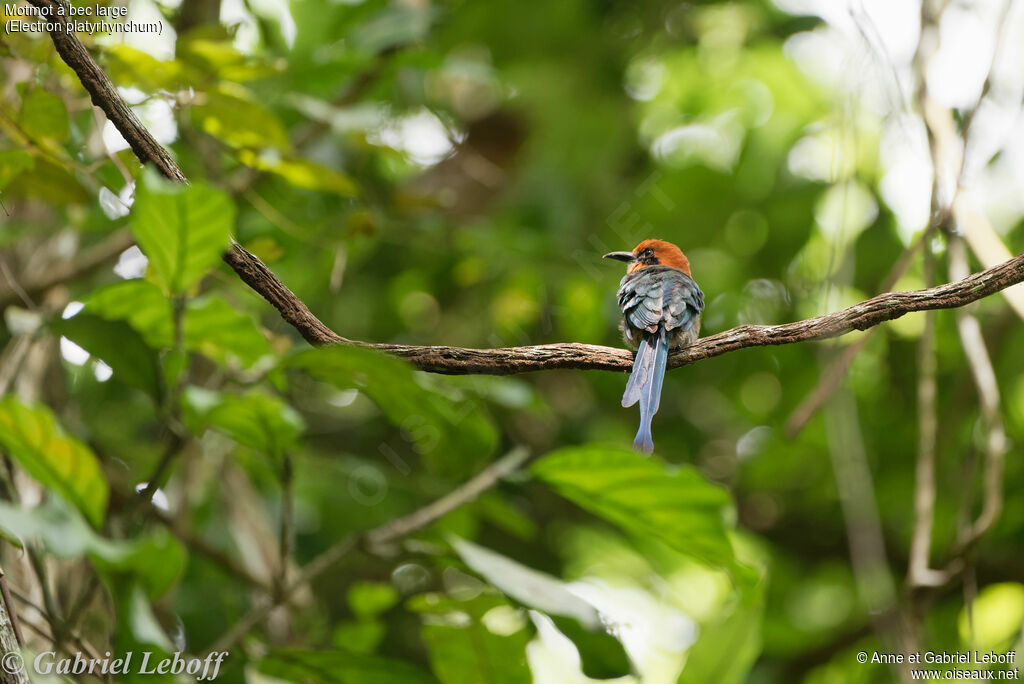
x,y
621,256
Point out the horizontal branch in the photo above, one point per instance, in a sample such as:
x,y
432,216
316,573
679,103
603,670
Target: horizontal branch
x,y
508,360
458,360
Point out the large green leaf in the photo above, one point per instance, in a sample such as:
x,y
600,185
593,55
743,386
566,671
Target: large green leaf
x,y
119,345
339,667
183,230
58,460
479,639
256,420
453,433
232,114
674,504
43,116
154,560
212,326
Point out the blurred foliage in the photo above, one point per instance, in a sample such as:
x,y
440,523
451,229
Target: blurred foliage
x,y
450,173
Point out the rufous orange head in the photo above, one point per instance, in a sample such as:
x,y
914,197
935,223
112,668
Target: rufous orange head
x,y
651,253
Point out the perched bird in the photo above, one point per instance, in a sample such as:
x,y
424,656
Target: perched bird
x,y
661,307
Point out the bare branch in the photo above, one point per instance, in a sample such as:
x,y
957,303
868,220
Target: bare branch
x,y
459,360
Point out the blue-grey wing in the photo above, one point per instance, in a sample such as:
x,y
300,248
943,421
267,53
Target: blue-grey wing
x,y
660,296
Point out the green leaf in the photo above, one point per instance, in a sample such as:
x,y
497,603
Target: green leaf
x,y
255,420
43,116
998,612
119,345
128,66
526,585
727,647
214,328
155,560
13,162
673,504
58,460
183,230
141,304
452,433
233,115
49,182
481,639
367,599
339,667
302,173
359,636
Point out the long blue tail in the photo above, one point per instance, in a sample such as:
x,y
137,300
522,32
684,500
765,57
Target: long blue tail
x,y
645,383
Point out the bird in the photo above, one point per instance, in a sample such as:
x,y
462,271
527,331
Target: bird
x,y
661,307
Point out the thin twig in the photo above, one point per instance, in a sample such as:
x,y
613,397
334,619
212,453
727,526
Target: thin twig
x,y
919,571
389,532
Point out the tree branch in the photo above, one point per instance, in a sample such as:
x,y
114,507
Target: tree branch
x,y
105,96
459,360
456,360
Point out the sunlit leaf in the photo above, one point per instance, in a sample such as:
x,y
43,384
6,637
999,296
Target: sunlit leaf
x,y
676,505
996,617
232,115
526,585
727,646
59,461
127,66
302,173
479,639
183,230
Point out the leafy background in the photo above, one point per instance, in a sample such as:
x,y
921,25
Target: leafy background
x,y
450,173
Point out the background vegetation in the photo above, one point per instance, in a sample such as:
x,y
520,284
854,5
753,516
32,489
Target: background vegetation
x,y
182,473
